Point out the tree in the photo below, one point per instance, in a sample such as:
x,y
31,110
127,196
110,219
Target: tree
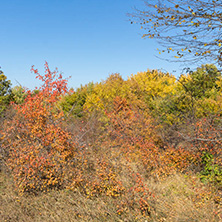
x,y
73,103
19,95
104,92
204,82
37,145
191,29
5,91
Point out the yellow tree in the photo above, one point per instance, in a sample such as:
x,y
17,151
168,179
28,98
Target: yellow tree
x,y
152,85
101,98
191,29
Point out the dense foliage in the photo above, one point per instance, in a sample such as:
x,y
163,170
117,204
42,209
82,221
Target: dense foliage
x,y
5,92
111,139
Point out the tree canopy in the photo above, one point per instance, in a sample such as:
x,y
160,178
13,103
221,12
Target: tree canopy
x,y
5,91
190,29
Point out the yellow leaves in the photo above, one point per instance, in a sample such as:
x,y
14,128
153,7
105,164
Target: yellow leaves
x,y
188,18
208,51
106,91
153,83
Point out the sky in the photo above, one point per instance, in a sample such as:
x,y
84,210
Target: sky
x,y
85,39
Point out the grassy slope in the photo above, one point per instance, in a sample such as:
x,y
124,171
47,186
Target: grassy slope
x,y
177,199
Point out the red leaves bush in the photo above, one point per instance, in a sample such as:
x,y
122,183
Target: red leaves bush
x,y
134,132
41,150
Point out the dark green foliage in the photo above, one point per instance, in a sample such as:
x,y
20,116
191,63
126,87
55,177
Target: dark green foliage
x,y
5,92
202,81
197,95
211,172
72,104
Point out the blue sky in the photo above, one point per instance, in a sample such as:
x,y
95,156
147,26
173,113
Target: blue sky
x,y
85,39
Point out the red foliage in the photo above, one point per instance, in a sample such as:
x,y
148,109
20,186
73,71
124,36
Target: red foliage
x,y
40,149
134,133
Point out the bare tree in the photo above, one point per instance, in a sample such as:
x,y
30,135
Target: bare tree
x,y
190,29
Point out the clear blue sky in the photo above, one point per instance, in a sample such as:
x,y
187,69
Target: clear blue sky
x,y
85,39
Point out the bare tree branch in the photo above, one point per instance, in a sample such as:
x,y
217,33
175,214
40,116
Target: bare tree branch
x,y
190,29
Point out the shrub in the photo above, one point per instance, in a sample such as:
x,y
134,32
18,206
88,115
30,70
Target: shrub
x,y
41,150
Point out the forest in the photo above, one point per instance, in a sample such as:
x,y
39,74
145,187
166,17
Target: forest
x,y
147,148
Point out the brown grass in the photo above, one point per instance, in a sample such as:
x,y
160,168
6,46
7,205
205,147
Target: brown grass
x,y
177,198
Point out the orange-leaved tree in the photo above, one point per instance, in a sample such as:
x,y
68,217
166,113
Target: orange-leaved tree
x,y
40,149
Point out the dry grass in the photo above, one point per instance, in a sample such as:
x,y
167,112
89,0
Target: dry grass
x,y
54,206
183,198
177,199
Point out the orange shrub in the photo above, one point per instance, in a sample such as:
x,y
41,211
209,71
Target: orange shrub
x,y
40,149
133,131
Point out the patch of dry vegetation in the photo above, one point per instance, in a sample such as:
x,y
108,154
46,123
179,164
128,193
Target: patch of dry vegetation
x,y
108,164
176,199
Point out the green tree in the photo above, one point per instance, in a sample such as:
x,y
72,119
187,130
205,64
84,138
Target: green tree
x,y
5,92
192,28
196,94
19,94
203,82
73,103
202,88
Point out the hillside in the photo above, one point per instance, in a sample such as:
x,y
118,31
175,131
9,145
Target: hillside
x,y
143,149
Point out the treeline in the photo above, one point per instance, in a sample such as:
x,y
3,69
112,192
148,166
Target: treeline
x,y
110,138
